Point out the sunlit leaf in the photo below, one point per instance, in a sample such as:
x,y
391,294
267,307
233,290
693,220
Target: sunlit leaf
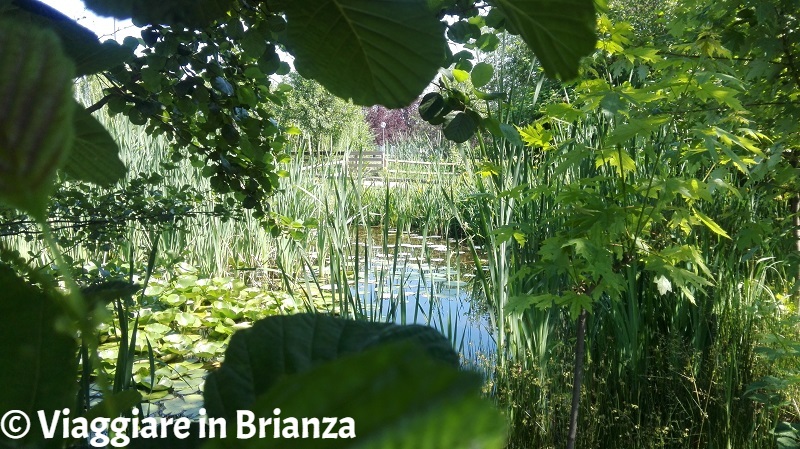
x,y
560,32
342,44
481,74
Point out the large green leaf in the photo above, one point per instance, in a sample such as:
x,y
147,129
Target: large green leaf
x,y
370,51
560,32
36,114
396,395
283,345
79,43
95,155
460,127
173,12
41,363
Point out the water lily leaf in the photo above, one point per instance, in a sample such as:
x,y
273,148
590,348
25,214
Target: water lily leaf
x,y
156,329
560,32
371,52
395,395
186,281
173,299
164,317
95,154
186,319
43,375
208,349
283,345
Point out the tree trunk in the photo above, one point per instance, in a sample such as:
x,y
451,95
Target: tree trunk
x,y
795,207
580,351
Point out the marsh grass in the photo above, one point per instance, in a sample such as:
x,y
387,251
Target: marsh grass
x,y
663,370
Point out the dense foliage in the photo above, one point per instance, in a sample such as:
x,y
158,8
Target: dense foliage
x,y
201,77
634,215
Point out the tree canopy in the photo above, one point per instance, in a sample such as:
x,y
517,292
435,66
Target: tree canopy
x,y
201,74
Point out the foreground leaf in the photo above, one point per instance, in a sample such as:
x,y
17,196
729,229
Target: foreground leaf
x,y
373,52
44,369
560,32
396,396
284,345
79,43
95,154
174,12
36,113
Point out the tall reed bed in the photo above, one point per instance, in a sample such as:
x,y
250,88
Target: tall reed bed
x,y
665,368
378,246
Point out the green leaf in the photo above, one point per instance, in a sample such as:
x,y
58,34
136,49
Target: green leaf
x,y
430,106
79,43
460,127
560,32
283,345
395,396
43,375
174,12
489,96
36,114
95,155
488,42
636,127
461,32
371,52
254,44
519,304
481,74
711,224
108,291
511,134
460,75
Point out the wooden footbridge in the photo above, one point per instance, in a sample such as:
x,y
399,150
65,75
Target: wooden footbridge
x,y
376,167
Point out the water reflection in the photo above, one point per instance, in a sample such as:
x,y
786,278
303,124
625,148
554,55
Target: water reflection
x,y
413,279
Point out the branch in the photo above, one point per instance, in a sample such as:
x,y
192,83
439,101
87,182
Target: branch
x,y
99,104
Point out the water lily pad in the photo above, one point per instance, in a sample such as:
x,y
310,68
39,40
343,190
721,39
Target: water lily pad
x,y
154,290
179,406
186,319
209,349
173,299
156,395
186,281
162,383
164,317
157,329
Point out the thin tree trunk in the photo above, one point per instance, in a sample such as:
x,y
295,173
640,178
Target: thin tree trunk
x,y
580,351
795,207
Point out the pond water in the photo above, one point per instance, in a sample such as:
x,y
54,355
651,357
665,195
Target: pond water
x,y
421,280
403,278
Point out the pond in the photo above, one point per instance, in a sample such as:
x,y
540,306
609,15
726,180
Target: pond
x,y
415,279
402,278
